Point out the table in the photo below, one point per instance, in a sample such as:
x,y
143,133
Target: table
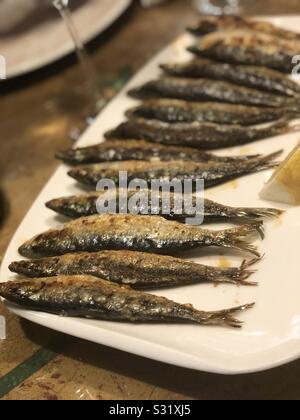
x,y
36,115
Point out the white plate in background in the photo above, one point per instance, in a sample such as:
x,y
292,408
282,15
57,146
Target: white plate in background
x,y
271,333
49,41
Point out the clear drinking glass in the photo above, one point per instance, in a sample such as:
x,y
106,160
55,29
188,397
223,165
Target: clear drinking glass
x,y
218,7
90,75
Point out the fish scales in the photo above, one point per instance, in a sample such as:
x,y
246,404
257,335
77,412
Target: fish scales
x,y
250,48
211,173
125,149
203,136
151,234
88,297
249,76
203,90
86,205
179,111
136,269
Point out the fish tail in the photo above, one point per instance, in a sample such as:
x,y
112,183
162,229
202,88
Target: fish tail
x,y
245,231
235,238
257,213
240,276
263,163
283,125
224,317
238,158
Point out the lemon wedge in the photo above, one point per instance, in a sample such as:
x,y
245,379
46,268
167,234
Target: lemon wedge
x,y
284,186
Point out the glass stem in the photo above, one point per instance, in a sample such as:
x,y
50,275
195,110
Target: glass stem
x,y
88,69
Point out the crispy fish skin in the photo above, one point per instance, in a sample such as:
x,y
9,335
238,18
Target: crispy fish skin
x,y
250,76
123,150
86,205
204,90
177,111
136,269
203,136
209,24
212,173
246,47
151,234
88,297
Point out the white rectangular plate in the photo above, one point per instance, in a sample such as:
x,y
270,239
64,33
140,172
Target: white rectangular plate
x,y
271,334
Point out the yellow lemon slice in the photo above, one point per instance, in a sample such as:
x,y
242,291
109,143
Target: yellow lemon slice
x,y
284,186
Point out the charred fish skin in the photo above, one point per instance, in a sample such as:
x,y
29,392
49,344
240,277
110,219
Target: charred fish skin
x,y
212,173
124,150
176,111
202,136
136,269
152,234
209,24
88,297
242,47
204,90
86,205
249,76
118,150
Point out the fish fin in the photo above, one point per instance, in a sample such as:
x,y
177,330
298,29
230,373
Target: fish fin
x,y
225,317
262,163
257,213
245,231
243,273
234,238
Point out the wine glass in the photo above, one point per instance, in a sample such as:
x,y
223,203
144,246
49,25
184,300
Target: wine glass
x,y
89,72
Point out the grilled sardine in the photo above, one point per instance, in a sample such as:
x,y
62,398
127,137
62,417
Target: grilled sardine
x,y
250,76
212,173
204,90
86,205
203,136
89,297
246,47
177,111
122,150
136,269
134,233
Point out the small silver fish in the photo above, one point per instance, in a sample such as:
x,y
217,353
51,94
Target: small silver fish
x,y
136,269
135,233
176,111
250,76
250,48
89,297
123,150
204,89
86,205
212,173
203,136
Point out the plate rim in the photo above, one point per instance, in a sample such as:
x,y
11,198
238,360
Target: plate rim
x,y
34,64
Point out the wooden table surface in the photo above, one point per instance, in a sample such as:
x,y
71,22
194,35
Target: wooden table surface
x,y
37,112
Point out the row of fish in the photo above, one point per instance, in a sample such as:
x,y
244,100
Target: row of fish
x,y
87,265
98,265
